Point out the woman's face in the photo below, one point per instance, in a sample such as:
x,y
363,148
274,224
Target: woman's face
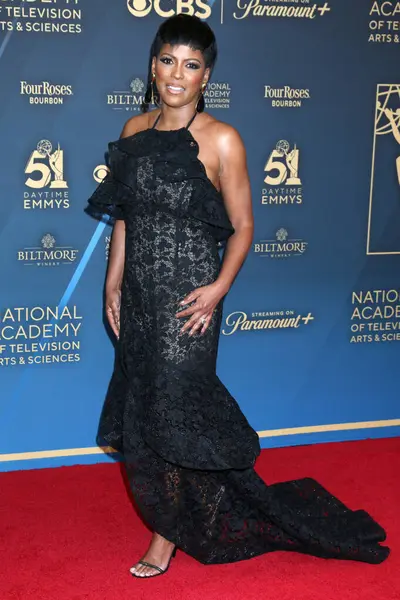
x,y
180,73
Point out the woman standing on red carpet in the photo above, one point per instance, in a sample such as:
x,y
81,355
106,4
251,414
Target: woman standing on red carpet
x,y
177,191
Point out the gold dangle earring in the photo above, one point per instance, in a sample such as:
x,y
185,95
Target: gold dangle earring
x,y
203,87
153,78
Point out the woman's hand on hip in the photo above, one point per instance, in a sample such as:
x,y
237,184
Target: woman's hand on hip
x,y
207,297
113,307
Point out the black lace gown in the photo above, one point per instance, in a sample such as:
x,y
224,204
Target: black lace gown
x,y
189,450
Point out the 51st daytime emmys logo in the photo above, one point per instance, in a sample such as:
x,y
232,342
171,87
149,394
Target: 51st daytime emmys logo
x,y
40,335
41,16
281,319
45,170
282,176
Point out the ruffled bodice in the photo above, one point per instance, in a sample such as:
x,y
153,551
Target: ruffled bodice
x,y
174,158
174,220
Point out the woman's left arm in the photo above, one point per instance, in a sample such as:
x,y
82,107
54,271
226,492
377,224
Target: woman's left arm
x,y
236,191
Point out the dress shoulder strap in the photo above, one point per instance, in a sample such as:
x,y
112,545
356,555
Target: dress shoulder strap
x,y
156,121
187,126
191,120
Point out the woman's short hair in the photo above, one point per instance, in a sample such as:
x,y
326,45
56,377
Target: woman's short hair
x,y
185,30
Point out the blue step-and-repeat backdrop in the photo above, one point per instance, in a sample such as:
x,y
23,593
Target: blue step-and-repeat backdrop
x,y
310,338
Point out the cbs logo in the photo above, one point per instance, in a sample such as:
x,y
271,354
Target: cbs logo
x,y
141,8
100,172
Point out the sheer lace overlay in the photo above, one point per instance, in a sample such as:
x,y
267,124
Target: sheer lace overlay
x,y
188,448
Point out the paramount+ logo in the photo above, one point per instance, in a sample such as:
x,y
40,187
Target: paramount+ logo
x,y
168,8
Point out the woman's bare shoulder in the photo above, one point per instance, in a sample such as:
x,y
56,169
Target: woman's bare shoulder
x,y
139,123
220,131
222,136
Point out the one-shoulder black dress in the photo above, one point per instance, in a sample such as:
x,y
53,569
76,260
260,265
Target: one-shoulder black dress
x,y
189,450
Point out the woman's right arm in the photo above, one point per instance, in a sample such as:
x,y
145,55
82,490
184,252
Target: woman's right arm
x,y
116,257
115,274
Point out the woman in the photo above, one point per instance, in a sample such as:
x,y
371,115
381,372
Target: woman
x,y
178,189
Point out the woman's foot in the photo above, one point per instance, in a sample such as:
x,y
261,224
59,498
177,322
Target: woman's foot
x,y
159,553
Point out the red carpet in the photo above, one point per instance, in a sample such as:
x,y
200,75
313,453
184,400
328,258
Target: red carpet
x,y
71,533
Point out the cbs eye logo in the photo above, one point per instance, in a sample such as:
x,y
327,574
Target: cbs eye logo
x,y
141,8
100,172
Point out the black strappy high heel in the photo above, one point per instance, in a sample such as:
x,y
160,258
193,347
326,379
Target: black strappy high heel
x,y
147,564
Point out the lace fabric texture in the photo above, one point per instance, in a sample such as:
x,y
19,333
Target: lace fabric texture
x,y
188,448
